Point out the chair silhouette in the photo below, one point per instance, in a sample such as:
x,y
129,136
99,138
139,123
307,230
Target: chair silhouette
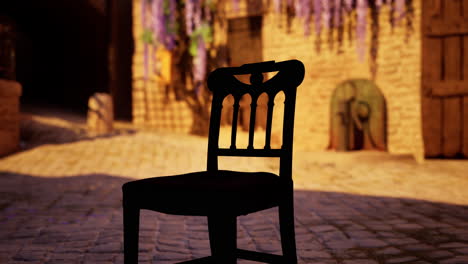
x,y
223,195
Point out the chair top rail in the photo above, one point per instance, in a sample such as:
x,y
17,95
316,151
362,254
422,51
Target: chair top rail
x,y
290,74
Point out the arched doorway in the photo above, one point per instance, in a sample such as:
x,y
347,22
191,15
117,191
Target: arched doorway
x,y
62,52
358,117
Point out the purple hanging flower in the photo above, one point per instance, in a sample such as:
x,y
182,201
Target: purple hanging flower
x,y
171,28
197,14
348,4
337,13
399,9
361,10
303,10
143,13
208,16
159,22
326,13
318,16
189,13
277,5
307,16
379,3
235,5
298,8
199,63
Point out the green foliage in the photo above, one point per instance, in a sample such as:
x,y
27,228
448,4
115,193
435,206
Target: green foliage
x,y
211,4
206,32
147,36
172,28
166,9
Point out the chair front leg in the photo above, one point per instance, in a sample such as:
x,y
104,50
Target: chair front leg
x,y
223,238
131,221
288,240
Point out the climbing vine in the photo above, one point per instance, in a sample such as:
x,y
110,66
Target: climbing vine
x,y
185,27
161,21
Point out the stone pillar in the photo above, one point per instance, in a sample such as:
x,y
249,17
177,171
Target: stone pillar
x,y
10,91
100,114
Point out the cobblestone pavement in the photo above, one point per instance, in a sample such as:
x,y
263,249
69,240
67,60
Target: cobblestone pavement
x,y
60,202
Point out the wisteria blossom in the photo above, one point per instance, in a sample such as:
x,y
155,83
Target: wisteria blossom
x,y
326,13
400,10
199,64
378,3
277,4
159,22
318,16
361,28
337,8
348,4
235,4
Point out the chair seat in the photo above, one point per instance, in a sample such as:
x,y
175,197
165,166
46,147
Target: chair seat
x,y
205,193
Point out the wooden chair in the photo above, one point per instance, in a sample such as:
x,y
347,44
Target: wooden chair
x,y
223,195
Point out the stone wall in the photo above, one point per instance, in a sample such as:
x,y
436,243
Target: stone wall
x,y
10,91
398,75
154,106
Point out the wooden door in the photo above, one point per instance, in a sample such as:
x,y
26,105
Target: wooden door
x,y
445,78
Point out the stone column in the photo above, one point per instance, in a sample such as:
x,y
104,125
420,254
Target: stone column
x,y
10,91
100,114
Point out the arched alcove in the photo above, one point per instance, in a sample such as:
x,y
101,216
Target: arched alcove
x,y
358,117
62,52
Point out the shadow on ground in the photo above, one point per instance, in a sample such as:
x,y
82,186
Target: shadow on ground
x,y
79,220
34,132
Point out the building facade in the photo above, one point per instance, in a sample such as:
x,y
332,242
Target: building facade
x,y
336,78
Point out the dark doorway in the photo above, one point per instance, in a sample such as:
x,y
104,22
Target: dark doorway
x,y
120,57
61,50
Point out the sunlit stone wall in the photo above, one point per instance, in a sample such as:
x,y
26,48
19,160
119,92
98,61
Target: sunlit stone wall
x,y
398,77
398,74
154,106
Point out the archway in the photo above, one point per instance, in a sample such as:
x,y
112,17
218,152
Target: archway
x,y
358,117
68,50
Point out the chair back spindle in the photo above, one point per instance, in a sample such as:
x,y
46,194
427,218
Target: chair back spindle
x,y
234,122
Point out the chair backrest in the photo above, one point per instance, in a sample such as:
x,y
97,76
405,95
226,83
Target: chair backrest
x,y
222,82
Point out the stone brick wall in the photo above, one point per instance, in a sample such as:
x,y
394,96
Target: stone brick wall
x,y
398,76
154,107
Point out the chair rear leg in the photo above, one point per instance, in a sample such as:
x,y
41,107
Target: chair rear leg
x,y
223,236
288,240
131,221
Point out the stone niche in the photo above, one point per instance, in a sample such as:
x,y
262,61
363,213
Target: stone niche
x,y
10,91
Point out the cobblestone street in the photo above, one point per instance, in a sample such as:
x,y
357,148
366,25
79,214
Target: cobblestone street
x,y
60,201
